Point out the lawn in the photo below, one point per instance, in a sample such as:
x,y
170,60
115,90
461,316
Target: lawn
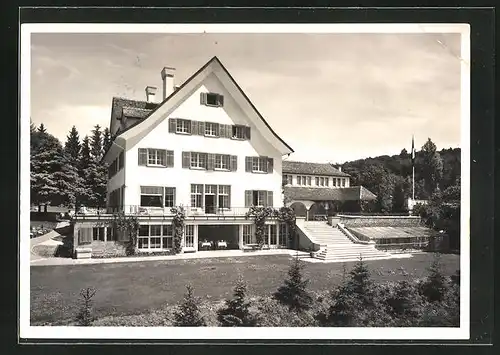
x,y
136,287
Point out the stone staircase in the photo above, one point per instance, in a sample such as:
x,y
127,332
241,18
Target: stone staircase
x,y
335,246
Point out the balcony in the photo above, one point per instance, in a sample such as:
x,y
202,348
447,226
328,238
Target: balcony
x,y
164,212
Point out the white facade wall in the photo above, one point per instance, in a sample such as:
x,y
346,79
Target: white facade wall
x,y
160,138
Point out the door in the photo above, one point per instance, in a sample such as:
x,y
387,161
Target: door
x,y
210,204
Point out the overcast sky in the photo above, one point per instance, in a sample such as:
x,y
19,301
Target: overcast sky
x,y
331,97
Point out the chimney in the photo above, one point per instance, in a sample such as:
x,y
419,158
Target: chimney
x,y
167,75
339,168
150,93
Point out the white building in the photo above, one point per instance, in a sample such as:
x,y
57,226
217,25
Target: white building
x,y
202,145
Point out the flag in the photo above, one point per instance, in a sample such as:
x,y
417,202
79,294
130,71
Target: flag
x,y
412,151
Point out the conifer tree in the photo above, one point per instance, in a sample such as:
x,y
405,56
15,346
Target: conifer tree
x,y
97,171
83,170
42,128
106,140
236,311
188,313
434,286
96,144
294,292
72,146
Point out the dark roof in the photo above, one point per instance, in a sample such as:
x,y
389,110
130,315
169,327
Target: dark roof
x,y
302,167
135,112
353,193
118,103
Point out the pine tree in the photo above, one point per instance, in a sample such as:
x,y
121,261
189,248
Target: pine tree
x,y
42,129
46,165
360,284
236,311
72,146
106,141
294,292
431,167
32,127
96,144
97,171
83,170
434,286
188,314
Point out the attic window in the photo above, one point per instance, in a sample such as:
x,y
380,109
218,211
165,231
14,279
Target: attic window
x,y
211,99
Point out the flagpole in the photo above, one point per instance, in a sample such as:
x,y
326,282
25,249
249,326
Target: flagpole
x,y
413,166
413,184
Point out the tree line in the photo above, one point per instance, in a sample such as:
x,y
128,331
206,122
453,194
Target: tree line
x,y
390,177
69,174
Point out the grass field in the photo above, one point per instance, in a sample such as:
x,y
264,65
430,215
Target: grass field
x,y
133,288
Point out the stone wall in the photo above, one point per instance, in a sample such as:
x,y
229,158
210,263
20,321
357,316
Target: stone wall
x,y
379,221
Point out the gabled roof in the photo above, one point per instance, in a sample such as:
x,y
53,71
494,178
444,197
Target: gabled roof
x,y
161,110
119,103
353,193
301,167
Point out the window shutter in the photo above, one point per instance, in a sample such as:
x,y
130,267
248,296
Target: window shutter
x,y
217,130
269,199
194,127
248,198
172,125
201,128
210,161
248,164
170,158
221,100
174,194
222,130
229,131
233,163
270,164
247,133
143,156
203,98
186,160
229,196
190,126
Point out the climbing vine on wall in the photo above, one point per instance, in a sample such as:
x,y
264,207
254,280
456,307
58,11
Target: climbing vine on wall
x,y
127,229
259,216
178,227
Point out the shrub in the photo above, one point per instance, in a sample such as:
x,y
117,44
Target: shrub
x,y
85,316
188,313
294,293
272,313
434,287
236,311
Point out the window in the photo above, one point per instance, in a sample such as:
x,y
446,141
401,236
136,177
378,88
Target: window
x,y
156,157
211,99
327,179
343,182
283,234
273,238
223,196
222,161
259,164
309,180
248,235
287,179
155,237
211,129
196,196
183,126
169,196
334,182
189,236
304,180
121,161
198,160
151,196
322,181
98,234
259,198
239,132
110,234
317,181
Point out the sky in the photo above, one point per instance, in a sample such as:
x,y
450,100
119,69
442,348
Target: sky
x,y
331,97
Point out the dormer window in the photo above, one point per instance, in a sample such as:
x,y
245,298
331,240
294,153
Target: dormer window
x,y
211,99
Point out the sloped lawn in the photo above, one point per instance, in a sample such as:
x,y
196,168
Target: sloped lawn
x,y
139,287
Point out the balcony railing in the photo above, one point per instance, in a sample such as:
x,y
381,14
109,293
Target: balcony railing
x,y
135,210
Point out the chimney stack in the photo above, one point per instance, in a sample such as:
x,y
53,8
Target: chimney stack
x,y
339,168
150,93
167,75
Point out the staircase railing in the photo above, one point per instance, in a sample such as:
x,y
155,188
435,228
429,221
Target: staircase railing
x,y
352,237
